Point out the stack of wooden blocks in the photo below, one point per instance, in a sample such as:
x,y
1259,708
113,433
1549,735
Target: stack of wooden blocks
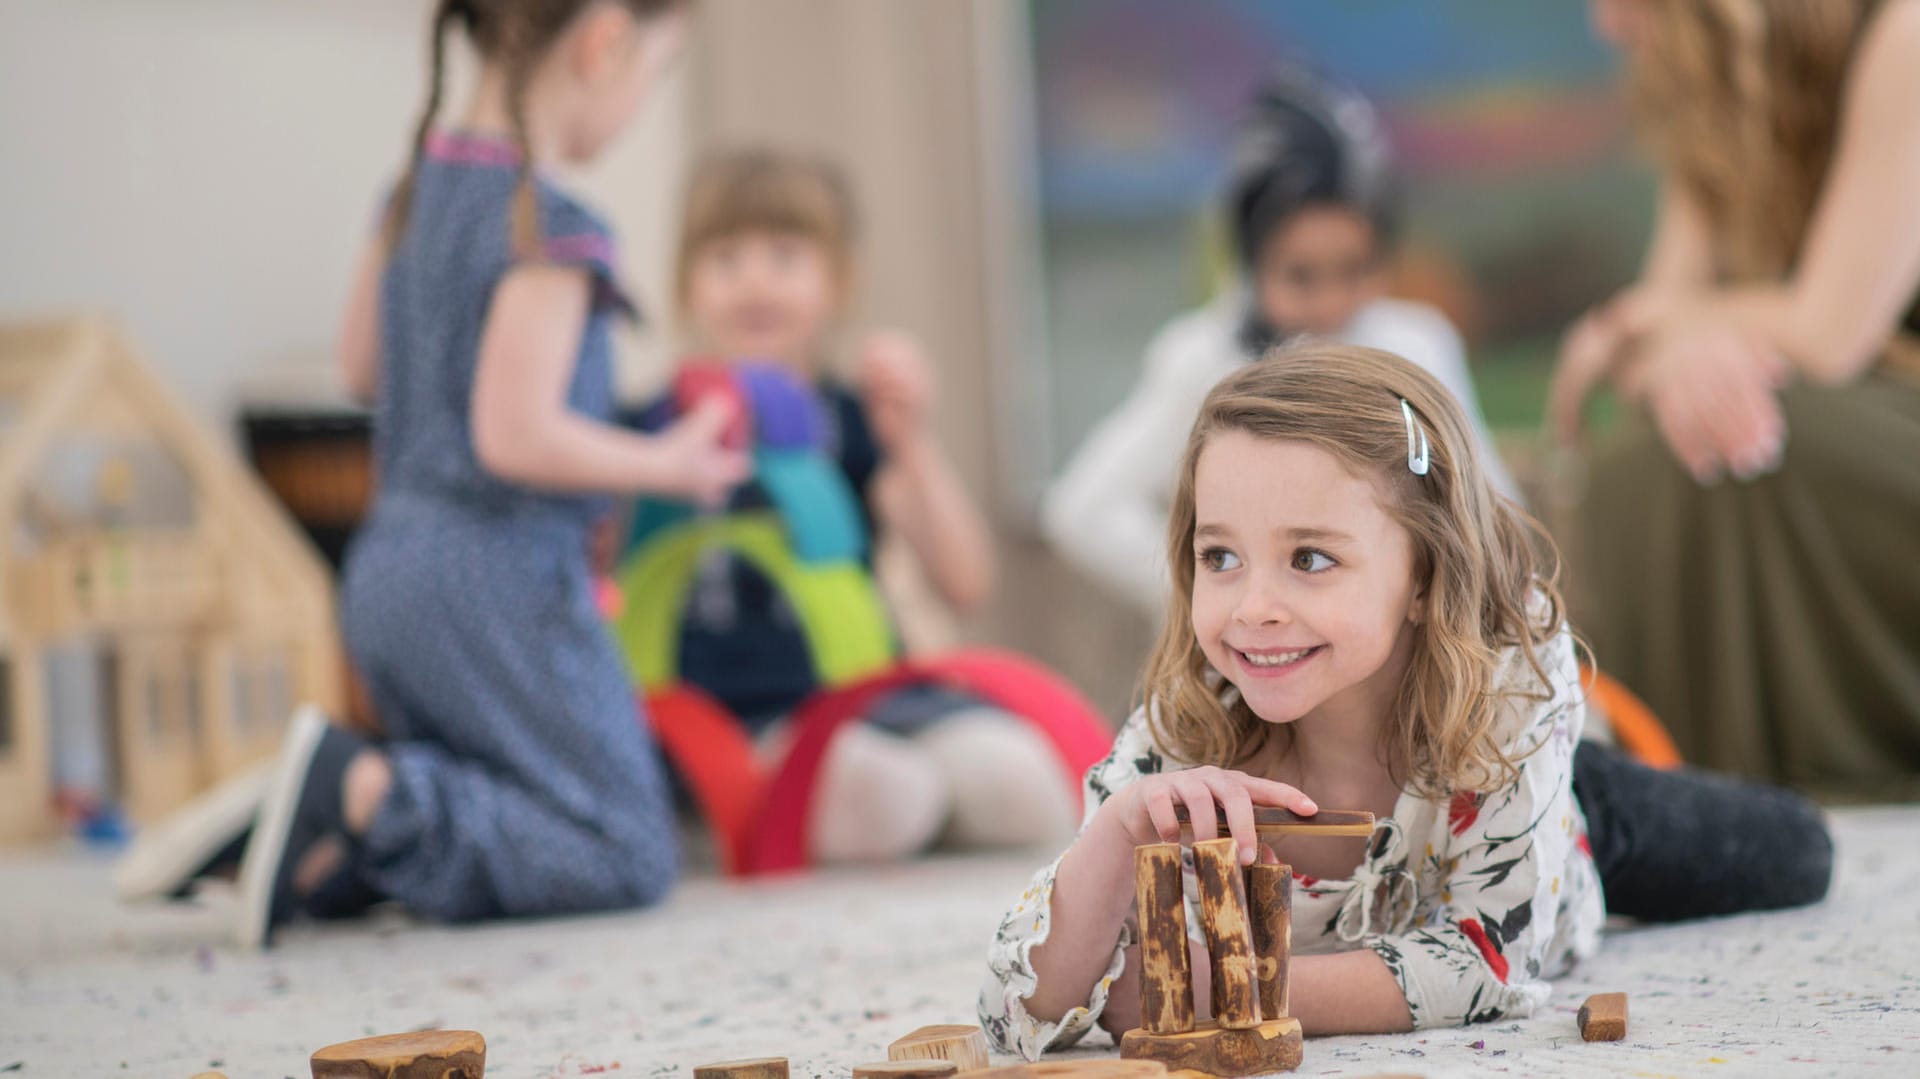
x,y
1247,916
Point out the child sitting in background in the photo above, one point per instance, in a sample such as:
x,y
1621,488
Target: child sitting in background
x,y
765,272
1312,206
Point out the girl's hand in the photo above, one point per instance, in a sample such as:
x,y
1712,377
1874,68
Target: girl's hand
x,y
1713,392
897,383
694,462
1144,809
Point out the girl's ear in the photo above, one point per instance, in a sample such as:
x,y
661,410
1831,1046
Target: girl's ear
x,y
1417,606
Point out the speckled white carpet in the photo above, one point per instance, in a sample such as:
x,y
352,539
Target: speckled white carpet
x,y
827,969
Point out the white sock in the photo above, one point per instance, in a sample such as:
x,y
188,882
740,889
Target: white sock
x,y
1008,788
879,798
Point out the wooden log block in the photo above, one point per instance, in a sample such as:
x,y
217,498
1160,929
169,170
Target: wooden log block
x,y
1603,1018
906,1069
966,1046
1271,821
1166,971
1093,1069
750,1068
1270,899
427,1054
1223,914
1273,1046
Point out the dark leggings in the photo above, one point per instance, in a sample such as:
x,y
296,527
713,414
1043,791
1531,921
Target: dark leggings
x,y
1673,845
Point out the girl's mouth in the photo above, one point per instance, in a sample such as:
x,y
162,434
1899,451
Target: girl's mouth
x,y
1274,661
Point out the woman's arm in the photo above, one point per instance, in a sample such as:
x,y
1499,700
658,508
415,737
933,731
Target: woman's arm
x,y
358,350
1860,266
523,430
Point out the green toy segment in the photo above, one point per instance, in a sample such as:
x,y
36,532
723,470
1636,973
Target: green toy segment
x,y
841,614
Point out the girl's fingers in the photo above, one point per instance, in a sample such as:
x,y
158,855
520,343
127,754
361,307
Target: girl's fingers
x,y
1200,811
1239,808
1160,812
1267,792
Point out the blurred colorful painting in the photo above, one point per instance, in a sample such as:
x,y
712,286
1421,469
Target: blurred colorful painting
x,y
1524,199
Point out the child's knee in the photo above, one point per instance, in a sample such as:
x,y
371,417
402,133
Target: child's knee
x,y
1008,786
879,798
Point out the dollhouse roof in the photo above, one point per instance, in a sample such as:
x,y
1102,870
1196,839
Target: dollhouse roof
x,y
77,376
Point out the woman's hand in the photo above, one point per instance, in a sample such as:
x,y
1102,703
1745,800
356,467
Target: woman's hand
x,y
1712,390
1596,348
1144,809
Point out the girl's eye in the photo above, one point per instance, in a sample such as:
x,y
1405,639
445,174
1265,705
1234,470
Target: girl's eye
x,y
1310,561
1219,559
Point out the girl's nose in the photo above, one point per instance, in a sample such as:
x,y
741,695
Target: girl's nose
x,y
1261,603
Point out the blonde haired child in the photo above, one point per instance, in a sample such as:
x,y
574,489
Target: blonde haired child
x,y
1358,620
766,271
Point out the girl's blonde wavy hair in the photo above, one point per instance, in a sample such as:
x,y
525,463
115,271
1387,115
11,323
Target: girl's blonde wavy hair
x,y
1475,559
1740,102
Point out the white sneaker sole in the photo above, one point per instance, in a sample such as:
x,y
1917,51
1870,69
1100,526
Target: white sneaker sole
x,y
165,854
261,864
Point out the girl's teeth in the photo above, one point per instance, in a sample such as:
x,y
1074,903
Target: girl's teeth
x,y
1278,659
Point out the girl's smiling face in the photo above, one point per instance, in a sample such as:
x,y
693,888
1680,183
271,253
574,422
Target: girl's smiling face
x,y
1304,594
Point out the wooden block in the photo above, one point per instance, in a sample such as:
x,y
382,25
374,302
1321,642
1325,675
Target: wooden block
x,y
1077,1069
1223,914
1273,821
750,1068
427,1054
966,1046
1603,1018
210,1075
1273,1046
1270,903
1166,971
905,1069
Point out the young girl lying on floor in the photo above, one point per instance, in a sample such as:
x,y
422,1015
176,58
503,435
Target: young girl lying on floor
x,y
1358,621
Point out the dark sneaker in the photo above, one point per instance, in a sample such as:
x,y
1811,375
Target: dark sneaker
x,y
301,807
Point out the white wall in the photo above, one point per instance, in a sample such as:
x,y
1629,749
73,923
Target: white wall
x,y
205,171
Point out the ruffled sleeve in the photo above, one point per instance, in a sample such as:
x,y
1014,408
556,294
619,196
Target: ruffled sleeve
x,y
1010,974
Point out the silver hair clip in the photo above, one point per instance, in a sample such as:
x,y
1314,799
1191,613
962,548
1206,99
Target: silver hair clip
x,y
1417,458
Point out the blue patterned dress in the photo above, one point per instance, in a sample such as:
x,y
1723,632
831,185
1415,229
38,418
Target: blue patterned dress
x,y
524,779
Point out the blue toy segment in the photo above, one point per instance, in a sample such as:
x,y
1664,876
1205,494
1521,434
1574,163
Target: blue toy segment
x,y
816,503
786,411
651,516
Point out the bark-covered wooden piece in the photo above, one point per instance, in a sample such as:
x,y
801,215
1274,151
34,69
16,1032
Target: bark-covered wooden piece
x,y
1086,1069
426,1054
1270,902
750,1068
1273,1046
1603,1018
1166,970
1223,914
906,1069
966,1046
1273,821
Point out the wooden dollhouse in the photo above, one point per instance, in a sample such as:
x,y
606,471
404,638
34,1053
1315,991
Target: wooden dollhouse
x,y
131,538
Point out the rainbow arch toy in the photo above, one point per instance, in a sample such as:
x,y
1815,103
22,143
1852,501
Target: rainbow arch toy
x,y
811,545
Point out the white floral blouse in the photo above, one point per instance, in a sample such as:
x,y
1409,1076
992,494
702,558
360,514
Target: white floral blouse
x,y
1472,903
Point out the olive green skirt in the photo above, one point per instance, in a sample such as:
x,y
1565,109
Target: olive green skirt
x,y
1774,625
